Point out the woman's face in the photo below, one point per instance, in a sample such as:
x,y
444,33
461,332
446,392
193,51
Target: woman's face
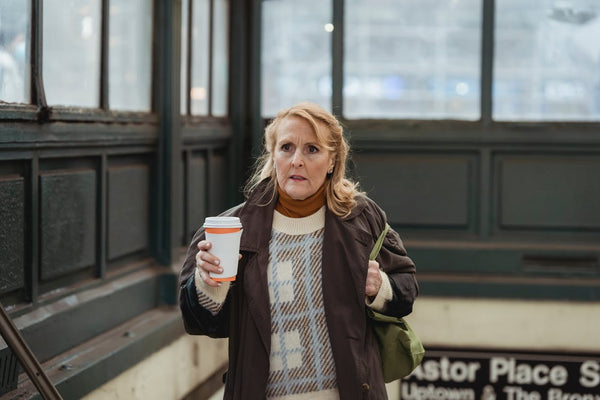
x,y
300,162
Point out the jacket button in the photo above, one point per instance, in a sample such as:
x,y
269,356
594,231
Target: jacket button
x,y
366,386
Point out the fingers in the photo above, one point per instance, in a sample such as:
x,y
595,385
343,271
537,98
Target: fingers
x,y
206,263
374,282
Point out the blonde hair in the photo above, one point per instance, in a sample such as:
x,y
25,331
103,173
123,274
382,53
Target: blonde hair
x,y
340,191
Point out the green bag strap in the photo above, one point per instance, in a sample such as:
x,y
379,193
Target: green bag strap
x,y
379,242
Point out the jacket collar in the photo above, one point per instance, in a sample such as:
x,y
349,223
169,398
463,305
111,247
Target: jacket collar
x,y
256,217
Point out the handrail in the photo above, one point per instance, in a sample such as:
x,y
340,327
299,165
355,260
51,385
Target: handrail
x,y
34,370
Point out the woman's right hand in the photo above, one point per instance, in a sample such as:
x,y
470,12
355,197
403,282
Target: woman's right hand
x,y
206,263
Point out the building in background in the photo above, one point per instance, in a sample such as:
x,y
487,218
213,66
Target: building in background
x,y
474,123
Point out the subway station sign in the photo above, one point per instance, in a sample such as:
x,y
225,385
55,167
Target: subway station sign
x,y
482,375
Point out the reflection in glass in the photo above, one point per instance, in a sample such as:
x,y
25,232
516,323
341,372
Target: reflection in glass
x,y
412,59
71,52
200,35
220,66
296,54
184,54
14,51
547,60
130,55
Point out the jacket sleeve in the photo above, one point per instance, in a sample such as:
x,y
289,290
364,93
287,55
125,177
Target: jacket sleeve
x,y
394,261
197,319
400,270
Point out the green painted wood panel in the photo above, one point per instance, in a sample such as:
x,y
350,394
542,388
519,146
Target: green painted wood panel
x,y
128,215
68,221
196,192
12,233
218,183
420,189
549,192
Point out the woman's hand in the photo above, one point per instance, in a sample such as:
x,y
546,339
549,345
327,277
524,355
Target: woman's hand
x,y
206,263
373,279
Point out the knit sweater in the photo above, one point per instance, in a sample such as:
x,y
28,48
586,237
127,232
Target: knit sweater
x,y
301,360
302,365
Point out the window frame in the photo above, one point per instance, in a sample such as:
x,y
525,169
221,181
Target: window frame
x,y
188,117
38,109
485,125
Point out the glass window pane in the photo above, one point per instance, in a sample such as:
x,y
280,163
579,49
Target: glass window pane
x,y
71,51
185,29
14,51
547,60
220,66
296,54
412,59
200,35
130,55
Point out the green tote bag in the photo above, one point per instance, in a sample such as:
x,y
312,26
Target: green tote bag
x,y
400,348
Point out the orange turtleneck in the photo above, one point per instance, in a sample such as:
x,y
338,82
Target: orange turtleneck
x,y
300,208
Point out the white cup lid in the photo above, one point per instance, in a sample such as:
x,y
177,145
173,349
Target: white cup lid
x,y
222,222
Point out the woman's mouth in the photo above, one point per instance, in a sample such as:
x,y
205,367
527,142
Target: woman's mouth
x,y
297,178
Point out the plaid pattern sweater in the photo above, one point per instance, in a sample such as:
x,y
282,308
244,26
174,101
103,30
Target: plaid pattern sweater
x,y
301,360
302,364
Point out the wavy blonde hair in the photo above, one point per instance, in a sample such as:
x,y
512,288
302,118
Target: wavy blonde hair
x,y
340,191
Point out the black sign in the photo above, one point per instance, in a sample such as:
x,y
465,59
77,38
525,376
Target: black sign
x,y
482,375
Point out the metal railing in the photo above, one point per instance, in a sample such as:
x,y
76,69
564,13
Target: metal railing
x,y
34,370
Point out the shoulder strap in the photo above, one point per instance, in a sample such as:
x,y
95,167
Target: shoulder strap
x,y
379,242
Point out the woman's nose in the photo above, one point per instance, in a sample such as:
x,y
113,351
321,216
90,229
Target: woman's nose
x,y
297,161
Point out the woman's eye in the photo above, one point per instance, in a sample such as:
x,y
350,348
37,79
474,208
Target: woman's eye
x,y
313,149
285,147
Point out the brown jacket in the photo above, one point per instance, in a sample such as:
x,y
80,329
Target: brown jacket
x,y
245,317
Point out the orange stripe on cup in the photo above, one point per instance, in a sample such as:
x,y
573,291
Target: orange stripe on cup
x,y
230,279
222,230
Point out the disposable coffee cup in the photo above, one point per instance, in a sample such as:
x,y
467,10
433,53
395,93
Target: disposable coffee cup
x,y
224,233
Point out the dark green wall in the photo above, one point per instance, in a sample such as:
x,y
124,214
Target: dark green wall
x,y
506,210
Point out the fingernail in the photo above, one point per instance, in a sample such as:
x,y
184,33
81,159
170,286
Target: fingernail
x,y
217,262
220,270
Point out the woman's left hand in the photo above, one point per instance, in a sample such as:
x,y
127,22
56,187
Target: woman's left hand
x,y
373,279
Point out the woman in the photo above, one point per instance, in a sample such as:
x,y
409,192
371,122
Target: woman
x,y
295,317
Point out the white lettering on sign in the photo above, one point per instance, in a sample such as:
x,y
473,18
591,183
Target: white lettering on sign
x,y
526,374
590,374
432,392
558,394
447,371
516,393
